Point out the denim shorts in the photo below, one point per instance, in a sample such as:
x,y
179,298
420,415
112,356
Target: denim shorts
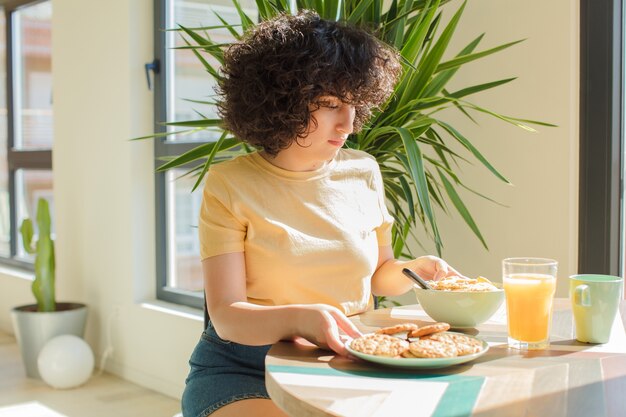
x,y
222,372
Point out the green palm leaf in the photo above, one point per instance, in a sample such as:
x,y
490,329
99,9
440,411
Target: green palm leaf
x,y
412,146
200,152
464,59
467,144
462,209
416,169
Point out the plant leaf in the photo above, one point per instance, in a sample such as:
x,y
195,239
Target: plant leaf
x,y
199,152
465,142
357,14
464,59
461,208
418,175
196,123
218,145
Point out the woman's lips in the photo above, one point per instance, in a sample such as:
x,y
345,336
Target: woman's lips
x,y
337,142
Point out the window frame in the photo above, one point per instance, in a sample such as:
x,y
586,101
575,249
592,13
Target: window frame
x,y
163,148
601,136
33,159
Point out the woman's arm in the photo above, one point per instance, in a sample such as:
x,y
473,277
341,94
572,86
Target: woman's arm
x,y
388,279
237,320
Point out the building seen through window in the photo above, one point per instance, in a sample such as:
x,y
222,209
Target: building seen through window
x,y
184,83
26,120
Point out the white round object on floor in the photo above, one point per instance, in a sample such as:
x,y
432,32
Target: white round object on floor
x,y
65,361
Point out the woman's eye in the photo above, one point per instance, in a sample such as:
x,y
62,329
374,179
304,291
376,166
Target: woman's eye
x,y
328,105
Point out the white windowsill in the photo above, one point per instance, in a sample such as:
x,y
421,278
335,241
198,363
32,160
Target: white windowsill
x,y
16,272
174,309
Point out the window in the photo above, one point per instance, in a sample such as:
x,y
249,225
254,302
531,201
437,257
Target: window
x,y
601,132
26,120
179,84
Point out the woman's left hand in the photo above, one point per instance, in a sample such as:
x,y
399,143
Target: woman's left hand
x,y
432,267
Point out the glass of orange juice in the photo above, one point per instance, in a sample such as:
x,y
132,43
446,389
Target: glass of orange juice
x,y
529,286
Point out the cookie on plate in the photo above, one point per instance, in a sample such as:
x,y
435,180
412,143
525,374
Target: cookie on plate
x,y
407,354
380,345
398,328
429,329
464,345
425,348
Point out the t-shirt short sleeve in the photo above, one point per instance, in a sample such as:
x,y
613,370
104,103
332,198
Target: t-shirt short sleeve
x,y
219,230
383,232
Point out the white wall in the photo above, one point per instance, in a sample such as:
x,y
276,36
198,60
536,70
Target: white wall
x,y
104,192
104,185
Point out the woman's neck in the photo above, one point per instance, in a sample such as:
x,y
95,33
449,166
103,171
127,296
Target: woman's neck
x,y
288,162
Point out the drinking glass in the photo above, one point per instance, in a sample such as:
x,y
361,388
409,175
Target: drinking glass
x,y
529,286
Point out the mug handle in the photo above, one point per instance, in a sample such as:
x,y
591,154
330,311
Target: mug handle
x,y
582,296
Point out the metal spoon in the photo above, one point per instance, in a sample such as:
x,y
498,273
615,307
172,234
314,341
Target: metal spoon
x,y
416,278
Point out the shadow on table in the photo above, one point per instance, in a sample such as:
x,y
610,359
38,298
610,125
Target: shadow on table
x,y
593,399
359,367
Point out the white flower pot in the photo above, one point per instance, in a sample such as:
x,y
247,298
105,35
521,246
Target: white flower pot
x,y
33,329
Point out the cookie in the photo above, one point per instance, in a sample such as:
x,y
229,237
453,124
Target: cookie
x,y
398,328
464,345
407,354
426,348
429,329
380,345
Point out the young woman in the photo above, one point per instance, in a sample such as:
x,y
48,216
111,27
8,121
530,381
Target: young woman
x,y
295,237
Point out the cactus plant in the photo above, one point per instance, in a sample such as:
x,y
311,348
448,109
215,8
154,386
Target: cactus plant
x,y
43,249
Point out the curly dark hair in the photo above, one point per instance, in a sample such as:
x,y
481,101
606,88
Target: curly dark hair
x,y
273,78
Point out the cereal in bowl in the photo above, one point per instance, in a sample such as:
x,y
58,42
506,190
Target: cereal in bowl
x,y
456,283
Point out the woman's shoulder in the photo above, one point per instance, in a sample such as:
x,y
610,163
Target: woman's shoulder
x,y
233,166
229,173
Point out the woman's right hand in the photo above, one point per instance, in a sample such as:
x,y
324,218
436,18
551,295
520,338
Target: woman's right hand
x,y
320,324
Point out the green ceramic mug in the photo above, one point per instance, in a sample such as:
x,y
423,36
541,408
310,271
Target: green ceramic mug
x,y
595,300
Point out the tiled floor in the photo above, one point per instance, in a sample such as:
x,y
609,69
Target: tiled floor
x,y
103,395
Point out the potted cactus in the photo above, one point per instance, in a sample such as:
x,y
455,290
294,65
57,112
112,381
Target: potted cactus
x,y
35,324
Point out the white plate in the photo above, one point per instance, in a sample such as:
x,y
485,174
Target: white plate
x,y
425,363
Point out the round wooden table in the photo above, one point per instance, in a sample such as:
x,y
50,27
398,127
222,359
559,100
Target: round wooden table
x,y
568,379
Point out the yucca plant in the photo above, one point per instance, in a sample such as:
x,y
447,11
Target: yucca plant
x,y
406,135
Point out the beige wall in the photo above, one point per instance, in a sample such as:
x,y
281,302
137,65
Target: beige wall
x,y
542,212
543,167
104,184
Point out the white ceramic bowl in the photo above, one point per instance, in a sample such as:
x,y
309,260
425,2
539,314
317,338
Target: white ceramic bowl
x,y
462,309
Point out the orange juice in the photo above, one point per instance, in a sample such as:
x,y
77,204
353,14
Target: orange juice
x,y
529,306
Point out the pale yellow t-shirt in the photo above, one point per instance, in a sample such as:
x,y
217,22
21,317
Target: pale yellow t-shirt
x,y
307,237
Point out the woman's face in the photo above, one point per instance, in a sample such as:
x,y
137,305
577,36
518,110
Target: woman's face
x,y
329,128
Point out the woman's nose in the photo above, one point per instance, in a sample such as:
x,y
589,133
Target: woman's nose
x,y
346,119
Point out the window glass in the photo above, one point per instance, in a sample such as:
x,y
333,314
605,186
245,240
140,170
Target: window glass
x,y
26,126
32,76
189,92
30,185
5,223
184,250
187,78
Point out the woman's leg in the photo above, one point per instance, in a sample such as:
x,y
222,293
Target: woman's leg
x,y
224,374
250,408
